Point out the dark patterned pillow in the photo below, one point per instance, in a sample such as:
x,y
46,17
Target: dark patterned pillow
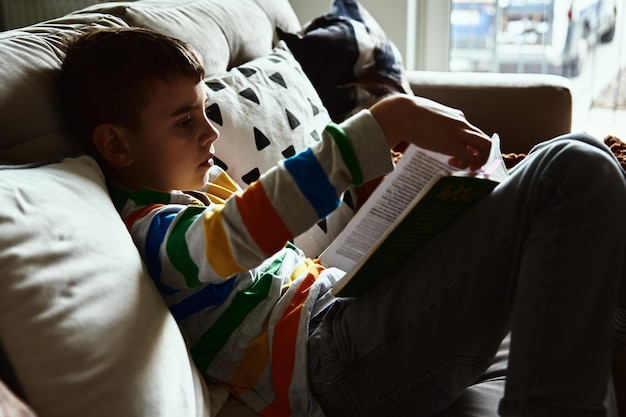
x,y
267,110
348,57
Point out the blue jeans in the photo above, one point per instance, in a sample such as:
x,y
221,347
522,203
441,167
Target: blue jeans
x,y
541,256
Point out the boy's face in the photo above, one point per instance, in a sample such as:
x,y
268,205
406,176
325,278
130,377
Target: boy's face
x,y
173,149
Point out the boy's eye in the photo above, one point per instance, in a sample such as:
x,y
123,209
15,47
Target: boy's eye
x,y
186,123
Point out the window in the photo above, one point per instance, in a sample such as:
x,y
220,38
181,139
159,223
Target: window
x,y
583,40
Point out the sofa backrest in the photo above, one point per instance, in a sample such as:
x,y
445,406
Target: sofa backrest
x,y
226,33
239,30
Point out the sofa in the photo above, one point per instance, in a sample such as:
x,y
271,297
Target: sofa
x,y
83,331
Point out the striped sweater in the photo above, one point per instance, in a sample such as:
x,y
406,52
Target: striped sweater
x,y
242,295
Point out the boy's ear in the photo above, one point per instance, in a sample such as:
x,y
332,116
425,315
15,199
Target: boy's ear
x,y
109,141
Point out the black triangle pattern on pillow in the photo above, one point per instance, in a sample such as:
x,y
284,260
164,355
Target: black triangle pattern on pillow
x,y
248,72
314,108
316,136
251,176
278,79
288,151
215,86
323,224
293,120
347,198
249,94
213,112
260,139
220,163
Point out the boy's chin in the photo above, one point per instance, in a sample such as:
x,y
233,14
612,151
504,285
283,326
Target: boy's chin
x,y
205,179
197,183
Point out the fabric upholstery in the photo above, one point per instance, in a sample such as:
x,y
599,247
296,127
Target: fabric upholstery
x,y
225,33
31,123
83,326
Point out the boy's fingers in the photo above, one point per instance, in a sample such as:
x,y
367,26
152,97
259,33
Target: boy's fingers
x,y
467,155
479,146
462,157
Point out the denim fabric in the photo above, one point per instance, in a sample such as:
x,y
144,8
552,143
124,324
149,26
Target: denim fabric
x,y
540,256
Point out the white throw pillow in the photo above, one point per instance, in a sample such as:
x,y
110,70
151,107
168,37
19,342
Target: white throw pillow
x,y
80,320
267,110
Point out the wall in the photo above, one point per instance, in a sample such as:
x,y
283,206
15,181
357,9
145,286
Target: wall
x,y
417,27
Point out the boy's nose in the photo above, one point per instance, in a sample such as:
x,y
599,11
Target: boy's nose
x,y
211,133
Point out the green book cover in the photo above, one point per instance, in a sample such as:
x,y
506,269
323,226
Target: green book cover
x,y
446,198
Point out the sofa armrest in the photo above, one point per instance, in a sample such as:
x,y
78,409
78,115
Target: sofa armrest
x,y
523,109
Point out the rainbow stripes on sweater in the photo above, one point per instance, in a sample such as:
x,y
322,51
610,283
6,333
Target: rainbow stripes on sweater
x,y
242,295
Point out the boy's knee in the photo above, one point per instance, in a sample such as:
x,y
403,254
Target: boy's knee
x,y
578,162
581,139
582,151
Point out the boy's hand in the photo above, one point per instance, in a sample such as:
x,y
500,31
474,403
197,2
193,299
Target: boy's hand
x,y
433,126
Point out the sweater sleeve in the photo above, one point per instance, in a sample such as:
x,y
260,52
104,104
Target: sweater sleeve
x,y
186,245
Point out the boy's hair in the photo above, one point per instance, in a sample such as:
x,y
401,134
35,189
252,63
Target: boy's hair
x,y
107,75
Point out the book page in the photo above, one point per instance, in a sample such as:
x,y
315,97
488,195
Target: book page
x,y
413,172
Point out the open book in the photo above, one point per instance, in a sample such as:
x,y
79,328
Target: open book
x,y
421,196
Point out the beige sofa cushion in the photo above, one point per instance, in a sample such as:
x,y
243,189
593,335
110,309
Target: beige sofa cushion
x,y
80,320
226,33
31,124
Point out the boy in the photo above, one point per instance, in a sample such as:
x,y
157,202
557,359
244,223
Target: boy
x,y
258,316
